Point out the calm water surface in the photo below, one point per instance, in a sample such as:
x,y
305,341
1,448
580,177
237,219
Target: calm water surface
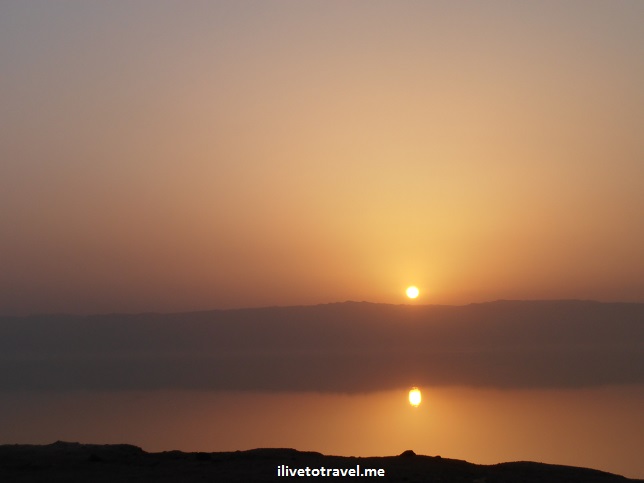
x,y
601,428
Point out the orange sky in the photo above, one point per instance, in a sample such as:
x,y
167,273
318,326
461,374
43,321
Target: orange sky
x,y
165,156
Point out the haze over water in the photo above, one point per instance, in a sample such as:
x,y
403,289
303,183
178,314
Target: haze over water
x,y
165,157
553,381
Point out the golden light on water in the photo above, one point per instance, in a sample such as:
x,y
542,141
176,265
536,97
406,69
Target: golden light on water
x,y
414,397
412,292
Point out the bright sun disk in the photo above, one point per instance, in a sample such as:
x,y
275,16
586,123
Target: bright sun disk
x,y
414,397
412,292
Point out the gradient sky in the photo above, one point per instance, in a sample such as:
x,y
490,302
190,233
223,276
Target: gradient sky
x,y
165,156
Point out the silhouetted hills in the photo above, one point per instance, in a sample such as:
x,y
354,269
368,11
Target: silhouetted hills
x,y
74,462
341,347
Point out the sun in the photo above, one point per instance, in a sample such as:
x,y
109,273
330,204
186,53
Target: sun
x,y
414,397
412,292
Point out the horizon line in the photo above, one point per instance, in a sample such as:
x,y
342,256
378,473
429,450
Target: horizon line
x,y
265,307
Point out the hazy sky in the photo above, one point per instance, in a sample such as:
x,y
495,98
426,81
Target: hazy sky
x,y
190,155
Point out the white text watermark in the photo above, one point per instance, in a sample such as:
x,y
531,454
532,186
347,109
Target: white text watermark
x,y
285,470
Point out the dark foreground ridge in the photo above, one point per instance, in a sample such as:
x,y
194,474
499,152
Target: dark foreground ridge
x,y
75,462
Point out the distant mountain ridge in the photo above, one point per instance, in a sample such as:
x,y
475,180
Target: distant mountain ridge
x,y
338,347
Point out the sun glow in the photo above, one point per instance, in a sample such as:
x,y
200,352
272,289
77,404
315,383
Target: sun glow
x,y
412,292
414,397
